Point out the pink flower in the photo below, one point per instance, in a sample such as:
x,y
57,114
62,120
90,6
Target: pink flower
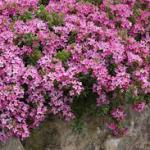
x,y
118,114
116,130
139,107
50,55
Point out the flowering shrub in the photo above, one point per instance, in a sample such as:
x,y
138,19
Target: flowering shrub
x,y
72,57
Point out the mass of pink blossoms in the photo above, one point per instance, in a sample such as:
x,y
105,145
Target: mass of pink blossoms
x,y
112,40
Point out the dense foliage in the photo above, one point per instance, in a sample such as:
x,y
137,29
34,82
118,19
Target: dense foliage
x,y
70,58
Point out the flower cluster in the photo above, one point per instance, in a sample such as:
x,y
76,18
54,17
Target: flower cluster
x,y
46,50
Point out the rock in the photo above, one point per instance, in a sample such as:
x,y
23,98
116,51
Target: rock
x,y
58,135
139,133
138,136
46,137
12,144
112,144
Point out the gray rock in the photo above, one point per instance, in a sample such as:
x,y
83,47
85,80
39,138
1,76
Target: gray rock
x,y
112,144
45,137
58,135
12,144
139,133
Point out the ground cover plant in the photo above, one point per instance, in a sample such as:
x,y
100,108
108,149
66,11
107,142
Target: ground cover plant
x,y
70,58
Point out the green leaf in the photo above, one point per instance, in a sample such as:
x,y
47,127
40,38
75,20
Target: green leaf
x,y
63,55
53,18
44,2
42,7
77,125
72,37
148,59
103,110
33,58
26,16
27,38
96,2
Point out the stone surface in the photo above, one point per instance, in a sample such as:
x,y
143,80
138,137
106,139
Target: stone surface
x,y
58,135
112,144
12,144
139,133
